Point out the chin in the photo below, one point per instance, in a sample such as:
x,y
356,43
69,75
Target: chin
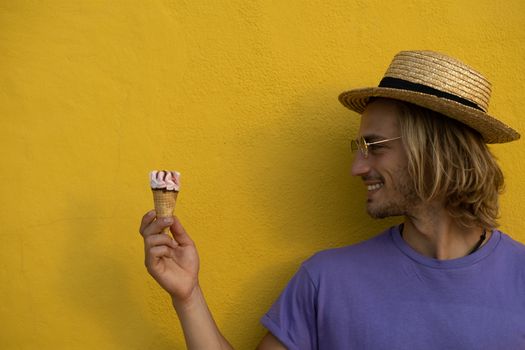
x,y
380,215
383,212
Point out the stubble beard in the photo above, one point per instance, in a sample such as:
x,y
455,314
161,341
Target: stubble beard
x,y
404,202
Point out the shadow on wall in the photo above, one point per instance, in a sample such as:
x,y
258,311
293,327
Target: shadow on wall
x,y
99,287
320,205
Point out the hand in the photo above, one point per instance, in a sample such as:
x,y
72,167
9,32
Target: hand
x,y
172,261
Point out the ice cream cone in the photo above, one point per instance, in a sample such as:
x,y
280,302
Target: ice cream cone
x,y
164,201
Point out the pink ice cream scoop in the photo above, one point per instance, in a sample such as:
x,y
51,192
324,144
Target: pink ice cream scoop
x,y
168,180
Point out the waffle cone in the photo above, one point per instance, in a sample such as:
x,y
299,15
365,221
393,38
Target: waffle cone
x,y
164,204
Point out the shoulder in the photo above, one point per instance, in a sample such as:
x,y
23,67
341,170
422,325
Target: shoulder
x,y
359,256
358,250
512,248
508,258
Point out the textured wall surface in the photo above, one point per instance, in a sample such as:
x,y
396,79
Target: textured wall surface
x,y
241,98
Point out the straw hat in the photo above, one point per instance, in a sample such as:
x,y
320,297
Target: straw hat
x,y
440,83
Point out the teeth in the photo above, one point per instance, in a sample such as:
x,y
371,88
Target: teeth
x,y
374,187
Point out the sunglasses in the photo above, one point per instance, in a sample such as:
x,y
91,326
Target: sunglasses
x,y
361,145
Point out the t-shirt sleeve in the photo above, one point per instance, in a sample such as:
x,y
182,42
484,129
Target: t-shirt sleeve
x,y
292,318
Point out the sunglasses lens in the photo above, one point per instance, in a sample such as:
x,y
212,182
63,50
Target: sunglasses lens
x,y
359,145
362,146
362,143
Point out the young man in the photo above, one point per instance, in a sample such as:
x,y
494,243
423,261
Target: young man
x,y
445,278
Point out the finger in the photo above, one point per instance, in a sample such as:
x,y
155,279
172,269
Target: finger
x,y
179,233
146,220
159,252
158,240
156,226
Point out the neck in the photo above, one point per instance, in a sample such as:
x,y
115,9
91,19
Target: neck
x,y
434,233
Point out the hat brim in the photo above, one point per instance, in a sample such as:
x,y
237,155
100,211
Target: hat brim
x,y
491,129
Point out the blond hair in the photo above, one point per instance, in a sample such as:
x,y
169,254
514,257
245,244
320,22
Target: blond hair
x,y
449,161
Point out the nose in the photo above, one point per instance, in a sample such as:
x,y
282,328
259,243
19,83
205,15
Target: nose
x,y
360,165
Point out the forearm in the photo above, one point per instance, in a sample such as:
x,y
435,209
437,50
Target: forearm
x,y
200,330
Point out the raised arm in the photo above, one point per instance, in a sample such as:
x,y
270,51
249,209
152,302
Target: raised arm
x,y
174,263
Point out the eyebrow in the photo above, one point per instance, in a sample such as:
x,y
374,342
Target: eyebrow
x,y
374,137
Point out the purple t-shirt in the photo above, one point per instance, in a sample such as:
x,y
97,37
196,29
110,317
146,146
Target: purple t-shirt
x,y
381,294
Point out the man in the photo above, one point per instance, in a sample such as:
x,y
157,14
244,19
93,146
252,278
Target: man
x,y
445,278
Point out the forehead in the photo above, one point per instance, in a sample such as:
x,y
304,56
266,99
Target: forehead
x,y
380,118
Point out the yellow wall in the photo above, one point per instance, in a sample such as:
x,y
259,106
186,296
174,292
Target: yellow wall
x,y
239,96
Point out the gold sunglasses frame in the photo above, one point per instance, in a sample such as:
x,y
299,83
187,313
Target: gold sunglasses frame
x,y
361,145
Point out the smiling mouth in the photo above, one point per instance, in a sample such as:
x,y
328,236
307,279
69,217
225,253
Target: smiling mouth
x,y
374,187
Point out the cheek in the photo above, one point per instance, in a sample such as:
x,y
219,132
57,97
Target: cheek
x,y
389,167
394,174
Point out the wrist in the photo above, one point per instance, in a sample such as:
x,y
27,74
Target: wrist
x,y
193,300
200,329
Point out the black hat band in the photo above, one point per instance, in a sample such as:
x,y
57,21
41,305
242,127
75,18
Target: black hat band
x,y
401,84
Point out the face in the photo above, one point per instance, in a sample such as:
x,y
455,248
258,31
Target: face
x,y
384,171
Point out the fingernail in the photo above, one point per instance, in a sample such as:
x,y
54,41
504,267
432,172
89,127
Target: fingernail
x,y
168,220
